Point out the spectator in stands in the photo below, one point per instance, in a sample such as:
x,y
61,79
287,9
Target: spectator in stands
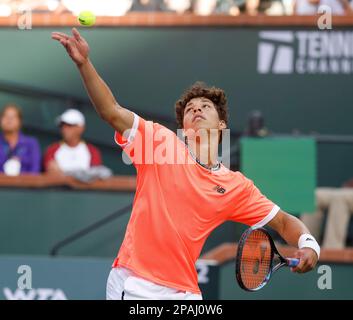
x,y
18,153
179,6
256,125
249,7
339,205
311,7
204,7
252,7
72,154
146,5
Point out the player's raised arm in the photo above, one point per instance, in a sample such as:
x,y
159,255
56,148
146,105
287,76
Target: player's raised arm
x,y
101,96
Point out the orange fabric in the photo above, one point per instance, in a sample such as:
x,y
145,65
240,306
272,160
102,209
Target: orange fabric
x,y
176,206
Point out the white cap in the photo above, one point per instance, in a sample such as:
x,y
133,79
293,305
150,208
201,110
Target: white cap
x,y
73,117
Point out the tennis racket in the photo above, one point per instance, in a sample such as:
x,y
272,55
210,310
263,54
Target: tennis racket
x,y
257,259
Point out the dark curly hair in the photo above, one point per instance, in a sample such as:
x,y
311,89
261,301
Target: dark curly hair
x,y
201,90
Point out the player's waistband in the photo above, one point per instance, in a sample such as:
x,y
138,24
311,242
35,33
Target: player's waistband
x,y
116,264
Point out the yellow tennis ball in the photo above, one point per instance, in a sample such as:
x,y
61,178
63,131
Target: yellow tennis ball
x,y
87,18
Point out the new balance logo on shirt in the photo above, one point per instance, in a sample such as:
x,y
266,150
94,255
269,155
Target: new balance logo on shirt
x,y
219,189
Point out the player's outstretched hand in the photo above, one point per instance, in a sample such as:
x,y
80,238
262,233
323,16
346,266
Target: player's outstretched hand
x,y
75,45
308,260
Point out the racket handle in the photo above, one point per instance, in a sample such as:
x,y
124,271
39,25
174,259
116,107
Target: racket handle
x,y
292,262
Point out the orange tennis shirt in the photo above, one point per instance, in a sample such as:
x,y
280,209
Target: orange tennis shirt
x,y
177,204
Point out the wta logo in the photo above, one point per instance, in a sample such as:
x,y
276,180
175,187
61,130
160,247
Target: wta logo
x,y
305,52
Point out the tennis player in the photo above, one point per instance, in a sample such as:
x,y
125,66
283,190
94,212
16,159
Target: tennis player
x,y
182,195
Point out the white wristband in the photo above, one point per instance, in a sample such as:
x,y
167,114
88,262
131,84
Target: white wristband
x,y
308,241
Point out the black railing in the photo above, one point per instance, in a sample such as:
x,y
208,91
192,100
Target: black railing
x,y
92,227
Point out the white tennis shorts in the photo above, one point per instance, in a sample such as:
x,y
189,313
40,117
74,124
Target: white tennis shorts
x,y
123,284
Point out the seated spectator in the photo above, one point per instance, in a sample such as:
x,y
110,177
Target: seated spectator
x,y
311,7
339,205
306,7
146,5
18,153
179,6
99,7
204,7
256,125
252,7
249,7
71,154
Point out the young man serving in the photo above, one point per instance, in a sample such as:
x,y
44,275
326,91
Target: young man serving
x,y
183,193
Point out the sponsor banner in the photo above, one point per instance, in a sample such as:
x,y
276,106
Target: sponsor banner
x,y
34,278
305,52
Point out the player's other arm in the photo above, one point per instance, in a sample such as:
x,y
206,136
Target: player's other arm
x,y
292,230
101,96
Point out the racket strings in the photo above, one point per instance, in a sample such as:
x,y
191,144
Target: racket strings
x,y
255,259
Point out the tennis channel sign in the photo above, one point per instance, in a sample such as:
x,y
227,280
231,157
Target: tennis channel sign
x,y
75,278
305,52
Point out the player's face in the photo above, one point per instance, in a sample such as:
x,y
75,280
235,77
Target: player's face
x,y
201,113
10,122
71,133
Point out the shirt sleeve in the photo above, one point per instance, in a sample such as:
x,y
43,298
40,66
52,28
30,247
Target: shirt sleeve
x,y
96,158
252,207
49,155
138,142
127,138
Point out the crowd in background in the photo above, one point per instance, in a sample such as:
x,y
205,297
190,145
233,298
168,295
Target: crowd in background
x,y
199,7
21,154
